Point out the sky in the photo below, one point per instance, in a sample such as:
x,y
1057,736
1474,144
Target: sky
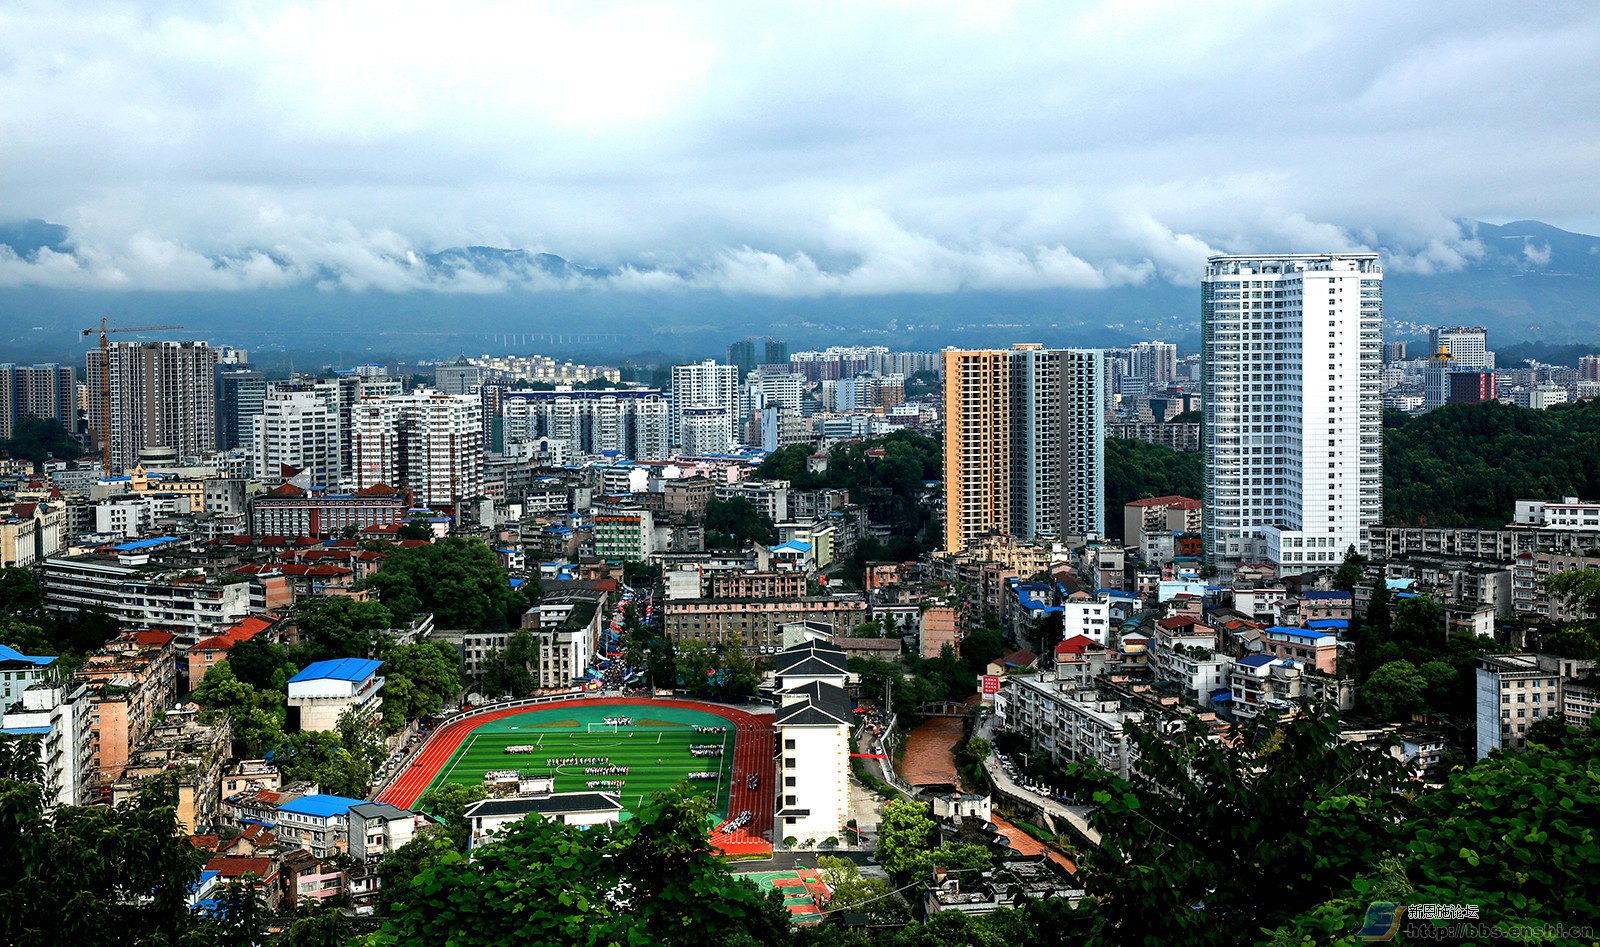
x,y
780,149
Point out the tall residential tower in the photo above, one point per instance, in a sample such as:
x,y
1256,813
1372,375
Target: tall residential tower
x,y
1291,351
1024,443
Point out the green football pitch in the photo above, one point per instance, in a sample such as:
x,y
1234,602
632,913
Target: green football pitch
x,y
654,748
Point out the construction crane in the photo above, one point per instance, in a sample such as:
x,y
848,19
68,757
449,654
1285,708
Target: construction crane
x,y
105,385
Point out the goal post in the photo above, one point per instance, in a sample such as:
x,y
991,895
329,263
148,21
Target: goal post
x,y
600,728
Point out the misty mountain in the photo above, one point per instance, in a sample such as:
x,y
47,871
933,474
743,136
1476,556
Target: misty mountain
x,y
1525,281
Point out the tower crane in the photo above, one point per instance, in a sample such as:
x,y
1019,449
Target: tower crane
x,y
105,384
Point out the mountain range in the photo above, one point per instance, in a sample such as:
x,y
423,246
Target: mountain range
x,y
1524,281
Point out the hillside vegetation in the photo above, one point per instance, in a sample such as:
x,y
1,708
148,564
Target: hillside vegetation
x,y
1467,465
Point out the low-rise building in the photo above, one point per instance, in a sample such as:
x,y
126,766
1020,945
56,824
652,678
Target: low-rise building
x,y
132,682
319,822
488,817
208,651
190,754
812,722
321,693
567,624
755,622
59,716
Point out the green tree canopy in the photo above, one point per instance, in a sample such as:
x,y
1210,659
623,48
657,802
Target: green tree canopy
x,y
91,876
418,679
1468,464
1241,834
1395,691
734,522
651,880
40,439
1138,469
457,578
255,714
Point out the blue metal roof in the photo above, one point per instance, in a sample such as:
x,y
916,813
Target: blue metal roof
x,y
12,654
1256,660
25,731
794,545
320,806
338,669
1328,623
1284,631
144,543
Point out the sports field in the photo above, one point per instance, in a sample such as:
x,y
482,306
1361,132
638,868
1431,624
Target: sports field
x,y
654,749
749,752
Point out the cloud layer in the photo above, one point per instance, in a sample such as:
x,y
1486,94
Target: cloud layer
x,y
778,149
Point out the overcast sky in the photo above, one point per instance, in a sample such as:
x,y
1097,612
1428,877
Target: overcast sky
x,y
784,149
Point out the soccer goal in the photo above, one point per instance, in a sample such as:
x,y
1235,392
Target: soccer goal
x,y
600,728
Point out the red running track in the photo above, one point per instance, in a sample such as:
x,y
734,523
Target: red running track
x,y
752,753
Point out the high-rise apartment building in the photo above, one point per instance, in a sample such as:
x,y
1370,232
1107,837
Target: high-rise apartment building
x,y
1589,368
1467,347
298,428
37,391
425,441
704,385
632,422
1024,443
241,391
1292,348
159,394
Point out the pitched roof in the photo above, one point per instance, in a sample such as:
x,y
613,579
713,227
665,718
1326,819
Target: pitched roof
x,y
1077,644
1182,503
548,803
822,705
338,669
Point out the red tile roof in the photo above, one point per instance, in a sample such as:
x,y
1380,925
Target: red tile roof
x,y
1182,503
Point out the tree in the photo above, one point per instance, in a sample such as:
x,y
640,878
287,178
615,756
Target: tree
x,y
1513,835
1138,469
1217,839
1578,588
737,675
458,579
416,528
979,648
321,757
19,592
448,803
905,830
361,737
255,715
1394,691
734,522
508,672
1419,621
1351,571
40,439
256,661
22,636
651,880
342,627
871,896
90,876
418,678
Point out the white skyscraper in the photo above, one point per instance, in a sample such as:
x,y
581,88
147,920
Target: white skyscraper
x,y
429,442
1468,347
704,385
1292,348
631,421
298,427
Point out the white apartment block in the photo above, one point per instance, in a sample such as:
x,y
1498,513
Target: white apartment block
x,y
1292,347
59,717
428,442
298,427
813,726
1467,347
632,422
1516,691
705,430
1067,722
1569,514
705,385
